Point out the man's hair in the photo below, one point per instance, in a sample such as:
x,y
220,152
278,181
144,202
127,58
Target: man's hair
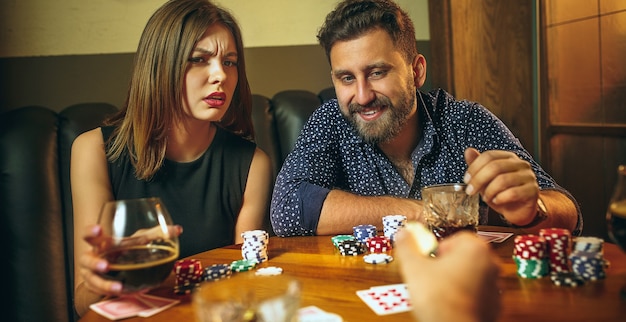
x,y
353,18
155,98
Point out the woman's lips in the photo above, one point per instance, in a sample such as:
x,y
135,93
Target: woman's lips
x,y
215,99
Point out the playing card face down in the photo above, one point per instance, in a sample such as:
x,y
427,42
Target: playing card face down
x,y
135,305
386,299
494,237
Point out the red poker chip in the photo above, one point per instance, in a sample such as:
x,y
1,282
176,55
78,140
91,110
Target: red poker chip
x,y
188,271
530,246
378,244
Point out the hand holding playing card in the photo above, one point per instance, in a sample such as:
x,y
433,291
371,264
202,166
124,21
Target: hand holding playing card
x,y
459,284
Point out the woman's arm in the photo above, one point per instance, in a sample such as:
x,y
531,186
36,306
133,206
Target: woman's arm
x,y
254,210
91,188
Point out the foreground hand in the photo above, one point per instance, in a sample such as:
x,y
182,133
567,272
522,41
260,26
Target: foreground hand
x,y
91,265
458,285
506,183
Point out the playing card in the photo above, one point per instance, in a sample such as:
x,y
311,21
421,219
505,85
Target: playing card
x,y
158,304
315,314
386,299
494,237
133,305
120,308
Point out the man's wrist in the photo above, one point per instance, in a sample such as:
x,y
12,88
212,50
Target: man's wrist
x,y
540,215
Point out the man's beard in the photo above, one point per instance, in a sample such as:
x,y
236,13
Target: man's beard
x,y
388,125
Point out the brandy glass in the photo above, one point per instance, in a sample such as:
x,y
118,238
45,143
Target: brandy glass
x,y
616,215
139,242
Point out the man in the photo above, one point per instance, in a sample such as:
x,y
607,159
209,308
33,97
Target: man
x,y
369,153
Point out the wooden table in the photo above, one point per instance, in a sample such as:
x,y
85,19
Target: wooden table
x,y
330,281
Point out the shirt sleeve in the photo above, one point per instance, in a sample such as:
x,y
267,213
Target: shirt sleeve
x,y
306,177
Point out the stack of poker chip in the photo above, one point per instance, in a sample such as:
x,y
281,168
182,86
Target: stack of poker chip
x,y
350,247
243,265
569,279
337,239
391,225
188,275
363,232
530,255
589,265
378,244
559,245
216,272
254,245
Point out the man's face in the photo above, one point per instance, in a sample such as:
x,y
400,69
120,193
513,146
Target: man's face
x,y
375,85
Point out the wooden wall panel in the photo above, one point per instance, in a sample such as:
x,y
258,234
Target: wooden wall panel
x,y
482,51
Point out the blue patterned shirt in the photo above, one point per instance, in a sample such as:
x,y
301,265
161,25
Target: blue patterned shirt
x,y
329,154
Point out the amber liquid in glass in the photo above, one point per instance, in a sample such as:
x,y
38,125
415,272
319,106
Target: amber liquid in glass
x,y
140,267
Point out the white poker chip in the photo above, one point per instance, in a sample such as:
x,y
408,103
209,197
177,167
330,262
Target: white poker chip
x,y
377,258
269,271
426,240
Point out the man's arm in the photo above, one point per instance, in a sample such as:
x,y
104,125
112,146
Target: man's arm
x,y
343,210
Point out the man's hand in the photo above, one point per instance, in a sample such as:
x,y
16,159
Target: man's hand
x,y
505,182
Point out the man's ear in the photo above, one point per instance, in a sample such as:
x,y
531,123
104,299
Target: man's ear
x,y
419,70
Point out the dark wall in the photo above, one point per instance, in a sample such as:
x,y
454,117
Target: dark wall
x,y
59,81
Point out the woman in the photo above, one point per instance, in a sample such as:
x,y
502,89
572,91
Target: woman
x,y
181,136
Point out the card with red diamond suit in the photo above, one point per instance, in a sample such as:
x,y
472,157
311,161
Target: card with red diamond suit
x,y
387,299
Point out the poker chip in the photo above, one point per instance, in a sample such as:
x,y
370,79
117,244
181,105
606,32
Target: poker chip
x,y
378,244
188,272
363,232
216,272
588,244
568,279
377,258
391,225
186,288
588,265
254,246
559,246
530,247
532,268
269,271
243,265
339,238
351,247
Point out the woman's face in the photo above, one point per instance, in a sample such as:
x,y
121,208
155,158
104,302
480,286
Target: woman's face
x,y
211,77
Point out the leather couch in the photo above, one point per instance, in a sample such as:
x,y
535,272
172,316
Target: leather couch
x,y
35,199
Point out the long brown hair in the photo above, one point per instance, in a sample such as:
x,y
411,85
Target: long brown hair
x,y
155,94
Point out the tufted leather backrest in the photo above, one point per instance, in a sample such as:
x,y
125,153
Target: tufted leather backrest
x,y
36,208
292,109
264,129
31,218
